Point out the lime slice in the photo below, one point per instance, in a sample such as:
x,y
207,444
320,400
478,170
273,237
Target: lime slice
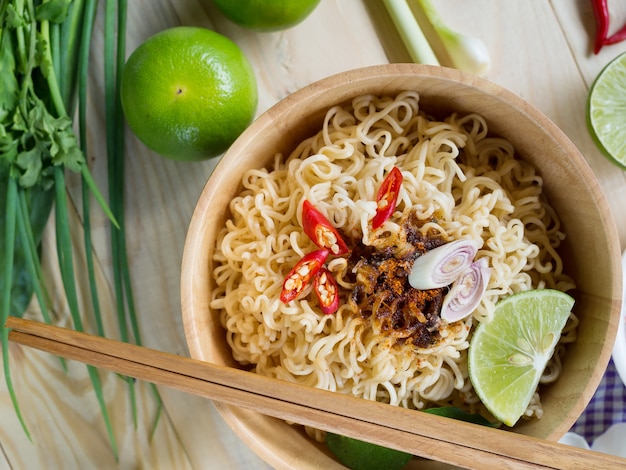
x,y
508,355
606,110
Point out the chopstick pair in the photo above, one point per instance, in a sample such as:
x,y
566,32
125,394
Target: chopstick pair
x,y
433,437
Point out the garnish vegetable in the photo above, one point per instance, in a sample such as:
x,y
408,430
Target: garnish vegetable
x,y
311,267
410,32
441,266
449,265
44,54
38,145
466,53
617,36
601,14
320,230
517,343
466,291
302,273
605,117
387,196
603,21
325,287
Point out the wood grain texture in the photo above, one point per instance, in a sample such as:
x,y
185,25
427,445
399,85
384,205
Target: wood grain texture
x,y
539,50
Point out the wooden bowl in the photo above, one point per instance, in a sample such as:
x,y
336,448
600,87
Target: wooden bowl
x,y
592,254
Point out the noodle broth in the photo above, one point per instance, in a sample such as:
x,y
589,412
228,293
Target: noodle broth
x,y
482,111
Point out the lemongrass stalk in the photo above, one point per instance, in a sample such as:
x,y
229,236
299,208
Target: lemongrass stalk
x,y
416,43
466,52
5,305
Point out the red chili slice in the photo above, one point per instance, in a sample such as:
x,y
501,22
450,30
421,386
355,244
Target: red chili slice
x,y
320,231
327,292
302,273
387,196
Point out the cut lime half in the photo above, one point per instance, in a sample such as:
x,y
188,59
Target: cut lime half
x,y
606,110
508,355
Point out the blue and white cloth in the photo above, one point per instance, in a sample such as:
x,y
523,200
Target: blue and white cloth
x,y
607,407
602,426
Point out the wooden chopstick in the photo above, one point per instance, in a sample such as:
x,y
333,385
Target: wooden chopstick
x,y
433,437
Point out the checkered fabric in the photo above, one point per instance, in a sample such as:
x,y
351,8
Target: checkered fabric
x,y
607,407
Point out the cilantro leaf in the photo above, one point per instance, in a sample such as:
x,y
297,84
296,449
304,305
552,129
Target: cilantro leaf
x,y
53,10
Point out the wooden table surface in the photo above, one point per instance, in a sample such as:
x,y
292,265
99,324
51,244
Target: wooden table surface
x,y
539,49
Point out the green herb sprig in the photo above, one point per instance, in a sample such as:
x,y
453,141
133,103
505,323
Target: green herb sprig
x,y
44,60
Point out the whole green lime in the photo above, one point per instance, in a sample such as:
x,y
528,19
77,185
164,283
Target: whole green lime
x,y
266,15
187,93
360,455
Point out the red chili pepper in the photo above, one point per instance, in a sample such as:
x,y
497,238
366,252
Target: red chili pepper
x,y
387,197
616,37
319,229
327,292
601,12
301,274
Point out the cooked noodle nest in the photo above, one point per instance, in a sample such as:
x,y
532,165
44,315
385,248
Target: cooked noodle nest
x,y
460,180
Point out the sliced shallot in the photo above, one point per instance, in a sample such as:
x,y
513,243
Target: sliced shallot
x,y
441,266
466,292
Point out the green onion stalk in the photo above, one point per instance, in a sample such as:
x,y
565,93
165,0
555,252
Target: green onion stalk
x,y
114,56
44,57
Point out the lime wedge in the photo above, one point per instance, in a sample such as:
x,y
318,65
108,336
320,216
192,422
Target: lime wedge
x,y
508,355
606,110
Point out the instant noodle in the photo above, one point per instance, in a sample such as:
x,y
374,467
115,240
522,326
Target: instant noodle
x,y
459,182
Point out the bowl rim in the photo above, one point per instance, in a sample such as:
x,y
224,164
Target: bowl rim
x,y
619,347
361,76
